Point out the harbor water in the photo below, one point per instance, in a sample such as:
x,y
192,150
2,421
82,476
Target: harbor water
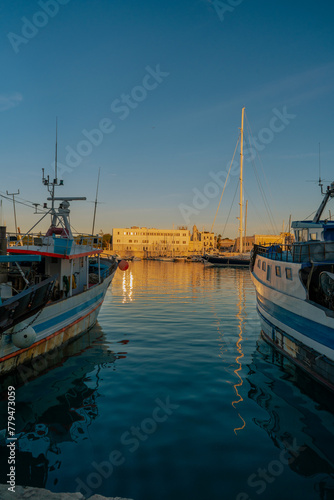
x,y
173,395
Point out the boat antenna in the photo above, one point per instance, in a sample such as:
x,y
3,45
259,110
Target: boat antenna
x,y
52,183
97,190
56,167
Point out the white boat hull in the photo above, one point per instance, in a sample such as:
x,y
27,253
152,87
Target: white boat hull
x,y
296,327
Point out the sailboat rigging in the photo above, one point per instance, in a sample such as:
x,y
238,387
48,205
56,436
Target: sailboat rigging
x,y
236,259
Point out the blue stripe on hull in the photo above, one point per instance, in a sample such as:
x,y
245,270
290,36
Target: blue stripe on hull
x,y
68,314
315,331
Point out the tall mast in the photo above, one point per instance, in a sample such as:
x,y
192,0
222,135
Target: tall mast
x,y
241,177
245,229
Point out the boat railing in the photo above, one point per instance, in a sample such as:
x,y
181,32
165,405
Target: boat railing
x,y
54,242
311,251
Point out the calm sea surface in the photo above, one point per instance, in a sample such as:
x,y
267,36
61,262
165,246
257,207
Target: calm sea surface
x,y
173,395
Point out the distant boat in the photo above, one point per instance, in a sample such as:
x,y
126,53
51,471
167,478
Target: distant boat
x,y
194,258
235,259
165,259
295,294
53,286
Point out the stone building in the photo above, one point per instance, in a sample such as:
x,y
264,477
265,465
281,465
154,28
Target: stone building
x,y
151,242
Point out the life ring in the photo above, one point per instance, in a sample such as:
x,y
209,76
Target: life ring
x,y
57,230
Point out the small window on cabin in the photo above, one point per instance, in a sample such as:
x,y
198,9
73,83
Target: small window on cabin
x,y
54,260
305,235
278,271
313,236
268,273
288,273
259,264
263,266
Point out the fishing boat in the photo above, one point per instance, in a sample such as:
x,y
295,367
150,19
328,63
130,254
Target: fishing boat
x,y
295,294
52,285
241,258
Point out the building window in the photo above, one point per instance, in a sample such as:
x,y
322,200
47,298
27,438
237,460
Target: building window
x,y
184,242
288,273
263,266
130,241
278,271
268,273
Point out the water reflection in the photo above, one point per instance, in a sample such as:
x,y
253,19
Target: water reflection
x,y
241,314
229,346
127,286
299,416
63,413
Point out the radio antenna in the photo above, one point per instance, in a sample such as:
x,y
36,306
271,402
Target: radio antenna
x,y
56,168
97,190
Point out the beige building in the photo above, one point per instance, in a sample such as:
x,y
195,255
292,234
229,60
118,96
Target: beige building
x,y
151,242
259,239
144,242
201,241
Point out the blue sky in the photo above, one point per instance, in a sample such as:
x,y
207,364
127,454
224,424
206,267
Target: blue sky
x,y
181,71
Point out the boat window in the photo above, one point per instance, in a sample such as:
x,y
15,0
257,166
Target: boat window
x,y
263,266
305,235
313,236
288,273
278,271
259,264
268,273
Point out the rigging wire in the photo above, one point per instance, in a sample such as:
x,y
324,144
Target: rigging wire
x,y
258,214
262,191
310,214
17,201
261,164
230,208
228,173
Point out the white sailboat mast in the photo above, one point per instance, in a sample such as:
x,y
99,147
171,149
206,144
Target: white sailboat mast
x,y
241,178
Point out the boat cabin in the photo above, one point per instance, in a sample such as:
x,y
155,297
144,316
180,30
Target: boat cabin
x,y
307,231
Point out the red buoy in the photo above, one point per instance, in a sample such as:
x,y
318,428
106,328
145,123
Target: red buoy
x,y
123,265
